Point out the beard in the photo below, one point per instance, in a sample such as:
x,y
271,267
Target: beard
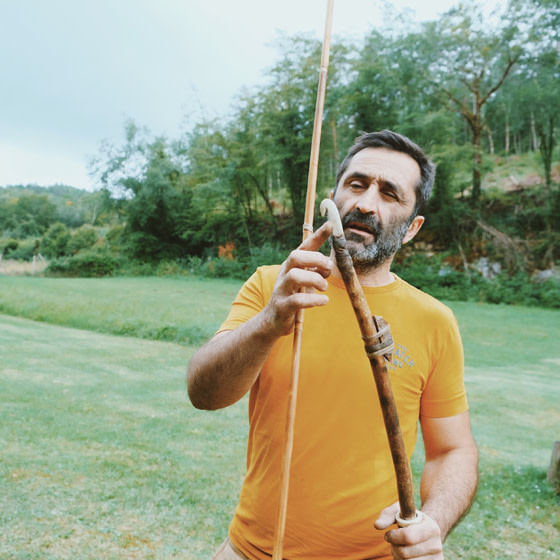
x,y
387,239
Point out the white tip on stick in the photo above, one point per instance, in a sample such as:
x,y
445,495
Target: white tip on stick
x,y
329,207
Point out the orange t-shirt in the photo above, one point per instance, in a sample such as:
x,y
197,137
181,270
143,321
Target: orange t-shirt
x,y
342,474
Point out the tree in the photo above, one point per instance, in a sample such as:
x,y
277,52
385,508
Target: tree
x,y
33,214
142,180
467,62
81,240
546,103
55,241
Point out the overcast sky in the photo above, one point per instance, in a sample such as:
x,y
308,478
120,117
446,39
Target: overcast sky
x,y
72,71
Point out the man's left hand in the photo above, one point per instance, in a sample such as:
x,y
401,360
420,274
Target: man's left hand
x,y
420,540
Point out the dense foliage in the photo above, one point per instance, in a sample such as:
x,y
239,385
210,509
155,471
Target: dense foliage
x,y
480,92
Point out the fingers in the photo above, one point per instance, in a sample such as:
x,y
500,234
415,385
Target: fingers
x,y
305,263
314,242
421,540
302,275
387,517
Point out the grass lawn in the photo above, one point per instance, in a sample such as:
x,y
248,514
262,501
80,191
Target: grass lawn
x,y
181,310
103,456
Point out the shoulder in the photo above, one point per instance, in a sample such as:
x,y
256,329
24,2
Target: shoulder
x,y
260,284
424,301
431,313
265,276
252,297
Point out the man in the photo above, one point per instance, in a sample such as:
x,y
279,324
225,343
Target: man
x,y
342,489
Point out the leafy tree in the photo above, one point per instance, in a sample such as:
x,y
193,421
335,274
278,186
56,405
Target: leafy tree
x,y
7,217
372,98
33,214
81,239
467,62
142,180
209,215
55,241
287,116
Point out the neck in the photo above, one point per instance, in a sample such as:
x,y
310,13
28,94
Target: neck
x,y
374,278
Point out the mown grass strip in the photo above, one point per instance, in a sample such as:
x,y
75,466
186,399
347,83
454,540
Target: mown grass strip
x,y
182,310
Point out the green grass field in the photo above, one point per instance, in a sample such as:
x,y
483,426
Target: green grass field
x,y
104,457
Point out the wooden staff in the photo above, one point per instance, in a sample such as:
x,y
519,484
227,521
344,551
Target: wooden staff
x,y
379,346
298,329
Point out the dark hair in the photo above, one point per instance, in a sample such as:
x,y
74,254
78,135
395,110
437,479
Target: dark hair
x,y
398,143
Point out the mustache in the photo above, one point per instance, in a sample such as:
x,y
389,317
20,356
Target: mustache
x,y
368,221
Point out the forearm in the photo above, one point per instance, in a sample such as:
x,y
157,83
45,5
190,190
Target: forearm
x,y
223,370
448,486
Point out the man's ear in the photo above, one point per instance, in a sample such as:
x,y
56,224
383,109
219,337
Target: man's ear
x,y
331,196
413,228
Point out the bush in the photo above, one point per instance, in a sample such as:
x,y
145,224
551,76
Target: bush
x,y
55,241
239,269
7,244
136,268
86,264
267,254
549,293
82,239
170,268
431,275
24,251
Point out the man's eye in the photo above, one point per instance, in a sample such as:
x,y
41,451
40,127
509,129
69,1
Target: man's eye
x,y
391,194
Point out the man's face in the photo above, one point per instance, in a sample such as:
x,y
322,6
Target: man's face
x,y
375,198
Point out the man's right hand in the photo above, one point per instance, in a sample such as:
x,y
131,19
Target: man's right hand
x,y
303,272
224,369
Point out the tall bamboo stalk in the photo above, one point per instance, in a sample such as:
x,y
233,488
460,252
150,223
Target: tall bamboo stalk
x,y
298,329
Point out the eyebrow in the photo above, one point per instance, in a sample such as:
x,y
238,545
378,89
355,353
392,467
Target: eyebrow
x,y
381,180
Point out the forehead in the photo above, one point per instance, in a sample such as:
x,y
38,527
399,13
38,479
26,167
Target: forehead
x,y
397,167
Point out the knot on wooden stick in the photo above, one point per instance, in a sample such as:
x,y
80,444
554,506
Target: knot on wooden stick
x,y
381,343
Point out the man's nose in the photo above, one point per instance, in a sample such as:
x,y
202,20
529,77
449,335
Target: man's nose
x,y
368,201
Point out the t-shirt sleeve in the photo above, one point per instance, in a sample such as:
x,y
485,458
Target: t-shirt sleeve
x,y
252,298
444,394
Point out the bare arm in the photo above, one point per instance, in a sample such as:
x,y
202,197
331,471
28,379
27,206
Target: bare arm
x,y
447,488
223,370
450,476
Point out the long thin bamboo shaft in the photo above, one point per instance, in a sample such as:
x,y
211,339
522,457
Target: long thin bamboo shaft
x,y
298,329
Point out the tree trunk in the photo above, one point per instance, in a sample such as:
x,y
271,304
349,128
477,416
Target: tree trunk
x,y
546,147
335,144
490,139
534,134
554,469
477,166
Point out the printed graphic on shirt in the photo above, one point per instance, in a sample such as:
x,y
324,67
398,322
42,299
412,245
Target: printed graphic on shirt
x,y
401,359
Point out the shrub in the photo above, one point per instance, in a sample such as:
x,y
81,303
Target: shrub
x,y
55,241
170,268
267,254
24,251
82,239
87,264
549,293
7,244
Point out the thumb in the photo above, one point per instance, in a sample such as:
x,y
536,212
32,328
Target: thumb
x,y
387,517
